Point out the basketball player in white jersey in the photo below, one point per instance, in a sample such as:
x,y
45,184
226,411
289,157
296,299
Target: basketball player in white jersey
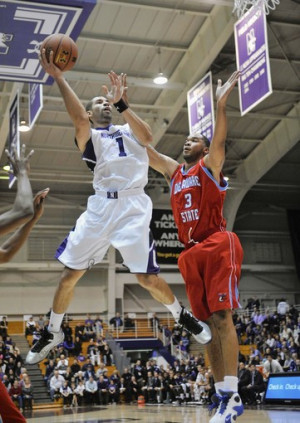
x,y
118,214
23,216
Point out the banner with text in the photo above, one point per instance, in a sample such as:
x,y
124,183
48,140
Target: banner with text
x,y
252,55
14,134
201,107
165,235
35,92
25,24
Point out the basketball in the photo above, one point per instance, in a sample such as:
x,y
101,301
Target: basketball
x,y
65,51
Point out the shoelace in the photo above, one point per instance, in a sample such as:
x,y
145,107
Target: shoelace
x,y
42,342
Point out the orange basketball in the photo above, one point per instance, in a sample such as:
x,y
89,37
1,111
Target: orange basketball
x,y
65,51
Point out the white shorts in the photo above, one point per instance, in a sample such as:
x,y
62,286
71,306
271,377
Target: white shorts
x,y
122,222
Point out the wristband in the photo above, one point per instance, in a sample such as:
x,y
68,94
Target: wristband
x,y
121,106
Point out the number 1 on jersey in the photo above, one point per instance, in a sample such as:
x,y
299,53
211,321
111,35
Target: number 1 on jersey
x,y
121,146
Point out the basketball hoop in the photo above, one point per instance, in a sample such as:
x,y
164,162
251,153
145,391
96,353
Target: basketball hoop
x,y
242,6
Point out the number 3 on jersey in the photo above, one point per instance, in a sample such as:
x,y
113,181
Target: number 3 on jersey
x,y
119,140
188,200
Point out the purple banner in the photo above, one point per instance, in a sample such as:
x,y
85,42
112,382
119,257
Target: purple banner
x,y
13,136
200,107
25,24
35,92
252,55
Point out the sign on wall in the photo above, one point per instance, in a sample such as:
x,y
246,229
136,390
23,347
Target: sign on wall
x,y
165,235
201,107
25,24
252,56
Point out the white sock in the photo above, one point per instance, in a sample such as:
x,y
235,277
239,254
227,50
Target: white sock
x,y
219,386
175,308
231,383
55,322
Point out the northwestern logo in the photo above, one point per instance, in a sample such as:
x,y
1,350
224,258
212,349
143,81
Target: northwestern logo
x,y
4,38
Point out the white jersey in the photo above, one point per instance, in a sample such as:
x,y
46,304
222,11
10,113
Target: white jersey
x,y
118,160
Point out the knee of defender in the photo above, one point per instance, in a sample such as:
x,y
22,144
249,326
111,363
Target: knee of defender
x,y
222,319
67,282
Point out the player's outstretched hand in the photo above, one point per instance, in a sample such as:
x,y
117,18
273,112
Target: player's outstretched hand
x,y
116,91
49,67
19,164
223,91
38,203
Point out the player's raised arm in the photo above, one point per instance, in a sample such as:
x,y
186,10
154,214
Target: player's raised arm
x,y
73,105
139,127
161,163
22,209
15,242
216,157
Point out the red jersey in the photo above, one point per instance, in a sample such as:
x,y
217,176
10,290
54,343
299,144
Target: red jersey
x,y
197,202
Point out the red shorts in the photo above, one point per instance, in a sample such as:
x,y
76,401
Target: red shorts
x,y
8,411
211,271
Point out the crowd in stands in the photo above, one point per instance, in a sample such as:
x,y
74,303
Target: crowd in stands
x,y
12,371
272,338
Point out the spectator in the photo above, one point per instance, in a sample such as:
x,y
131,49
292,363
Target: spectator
x,y
3,328
67,330
66,393
244,376
116,321
15,393
88,320
113,394
93,352
75,367
69,344
89,372
89,332
62,365
80,392
107,356
49,370
256,386
91,390
271,366
56,382
128,323
103,390
102,369
77,346
41,322
30,326
27,392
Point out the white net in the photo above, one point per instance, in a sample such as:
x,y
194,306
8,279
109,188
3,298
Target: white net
x,y
242,6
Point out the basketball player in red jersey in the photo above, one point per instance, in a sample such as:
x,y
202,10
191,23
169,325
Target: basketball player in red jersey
x,y
24,212
211,261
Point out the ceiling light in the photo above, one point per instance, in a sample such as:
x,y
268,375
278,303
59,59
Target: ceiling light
x,y
6,168
226,178
160,79
24,127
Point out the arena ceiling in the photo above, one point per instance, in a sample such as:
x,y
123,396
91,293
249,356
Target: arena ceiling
x,y
194,36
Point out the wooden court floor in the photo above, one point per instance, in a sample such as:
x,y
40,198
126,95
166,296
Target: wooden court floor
x,y
158,414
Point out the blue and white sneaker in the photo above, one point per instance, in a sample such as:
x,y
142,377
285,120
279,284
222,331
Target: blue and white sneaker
x,y
229,408
214,406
